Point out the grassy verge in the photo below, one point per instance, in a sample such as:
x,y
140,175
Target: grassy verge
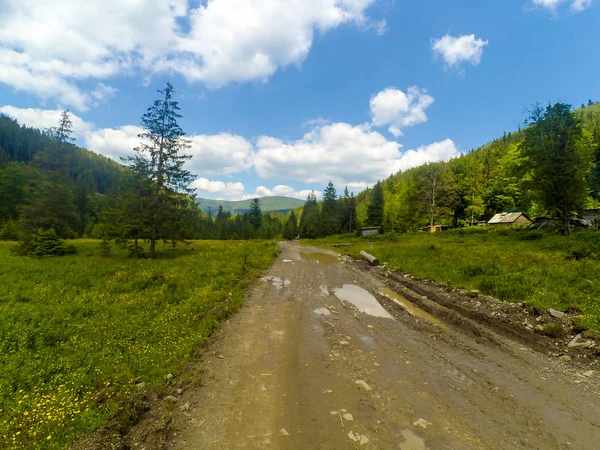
x,y
541,268
79,333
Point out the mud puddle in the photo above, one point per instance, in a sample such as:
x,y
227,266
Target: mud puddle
x,y
362,299
412,309
319,258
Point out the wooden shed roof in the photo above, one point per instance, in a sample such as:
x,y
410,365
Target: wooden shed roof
x,y
507,217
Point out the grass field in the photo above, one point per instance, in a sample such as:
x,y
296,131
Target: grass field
x,y
78,333
541,268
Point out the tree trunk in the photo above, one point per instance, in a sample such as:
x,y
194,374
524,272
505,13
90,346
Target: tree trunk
x,y
152,247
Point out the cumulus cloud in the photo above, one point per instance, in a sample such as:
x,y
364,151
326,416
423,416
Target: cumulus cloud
x,y
345,154
51,48
398,110
455,51
285,191
232,191
552,5
438,151
349,155
237,191
220,154
45,118
114,143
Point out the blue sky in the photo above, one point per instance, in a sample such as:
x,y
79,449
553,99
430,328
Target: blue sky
x,y
279,97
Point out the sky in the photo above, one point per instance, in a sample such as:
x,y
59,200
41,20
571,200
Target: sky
x,y
281,97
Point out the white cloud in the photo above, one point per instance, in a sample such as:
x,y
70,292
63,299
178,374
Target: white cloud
x,y
552,5
237,191
232,191
397,109
114,143
457,50
353,156
438,151
345,154
220,154
580,5
285,191
45,118
52,48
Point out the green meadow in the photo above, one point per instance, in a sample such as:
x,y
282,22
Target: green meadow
x,y
79,334
542,268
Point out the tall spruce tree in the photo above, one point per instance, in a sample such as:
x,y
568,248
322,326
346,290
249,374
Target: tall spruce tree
x,y
561,160
159,159
255,214
330,214
375,209
64,132
310,220
290,230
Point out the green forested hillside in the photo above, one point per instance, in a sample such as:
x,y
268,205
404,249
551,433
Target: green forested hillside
x,y
48,184
267,204
494,178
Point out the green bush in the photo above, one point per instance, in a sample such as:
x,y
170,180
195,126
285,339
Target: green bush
x,y
43,243
9,231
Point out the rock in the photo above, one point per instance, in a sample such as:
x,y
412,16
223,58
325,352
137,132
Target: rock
x,y
351,436
328,391
576,344
344,343
557,314
422,423
589,373
474,292
364,385
564,359
334,413
171,399
141,385
283,432
185,407
539,328
179,391
349,417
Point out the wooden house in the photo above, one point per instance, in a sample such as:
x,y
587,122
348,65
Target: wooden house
x,y
369,231
435,228
511,219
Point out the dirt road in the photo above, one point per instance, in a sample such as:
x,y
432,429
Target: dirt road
x,y
299,368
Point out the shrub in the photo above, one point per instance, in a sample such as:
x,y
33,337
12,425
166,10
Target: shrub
x,y
9,231
43,243
553,329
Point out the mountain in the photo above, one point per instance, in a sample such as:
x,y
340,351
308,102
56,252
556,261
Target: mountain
x,y
494,178
267,204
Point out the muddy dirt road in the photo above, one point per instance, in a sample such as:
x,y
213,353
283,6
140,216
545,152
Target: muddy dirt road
x,y
314,361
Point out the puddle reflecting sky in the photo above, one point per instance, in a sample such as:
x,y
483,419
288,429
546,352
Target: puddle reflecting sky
x,y
362,299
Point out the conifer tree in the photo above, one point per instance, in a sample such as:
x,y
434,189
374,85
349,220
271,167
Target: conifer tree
x,y
255,214
159,159
310,220
375,209
291,227
329,212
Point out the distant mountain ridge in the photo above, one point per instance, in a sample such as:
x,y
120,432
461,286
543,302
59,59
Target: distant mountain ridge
x,y
267,204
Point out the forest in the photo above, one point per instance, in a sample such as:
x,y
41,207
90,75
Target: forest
x,y
550,167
